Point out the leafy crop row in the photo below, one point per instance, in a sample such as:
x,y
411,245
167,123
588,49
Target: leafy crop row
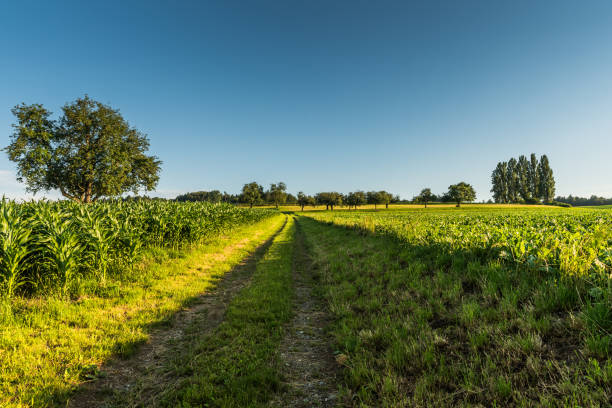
x,y
577,244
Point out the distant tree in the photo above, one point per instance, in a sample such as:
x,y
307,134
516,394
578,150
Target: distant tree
x,y
582,201
425,196
304,200
528,180
329,199
461,192
291,199
499,180
384,198
230,198
524,184
546,179
374,197
89,153
278,193
534,177
213,196
252,193
356,199
512,180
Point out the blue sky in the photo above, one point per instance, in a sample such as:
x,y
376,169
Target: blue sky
x,y
328,95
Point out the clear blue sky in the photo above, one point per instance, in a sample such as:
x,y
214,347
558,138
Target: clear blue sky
x,y
328,95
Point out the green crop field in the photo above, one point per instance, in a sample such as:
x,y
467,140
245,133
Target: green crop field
x,y
189,304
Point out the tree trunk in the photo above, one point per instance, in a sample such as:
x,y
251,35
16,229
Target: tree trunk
x,y
302,208
387,206
251,205
425,204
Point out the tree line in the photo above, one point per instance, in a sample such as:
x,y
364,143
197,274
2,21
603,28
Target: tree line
x,y
523,180
254,194
582,201
91,152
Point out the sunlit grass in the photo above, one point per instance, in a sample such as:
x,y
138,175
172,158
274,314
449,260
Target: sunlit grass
x,y
50,345
237,365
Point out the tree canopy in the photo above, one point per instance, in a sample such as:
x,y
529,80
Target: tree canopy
x,y
88,153
425,196
304,200
252,193
355,199
329,199
461,192
278,193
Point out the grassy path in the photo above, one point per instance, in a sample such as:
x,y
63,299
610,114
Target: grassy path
x,y
237,364
307,364
49,347
138,380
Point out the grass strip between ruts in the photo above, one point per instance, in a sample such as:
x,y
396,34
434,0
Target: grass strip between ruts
x,y
236,366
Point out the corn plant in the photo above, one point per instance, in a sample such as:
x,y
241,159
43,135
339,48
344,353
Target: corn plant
x,y
14,240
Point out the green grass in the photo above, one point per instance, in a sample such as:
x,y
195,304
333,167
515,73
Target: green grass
x,y
424,325
237,366
49,345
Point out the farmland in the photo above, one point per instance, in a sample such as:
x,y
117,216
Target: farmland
x,y
187,304
450,308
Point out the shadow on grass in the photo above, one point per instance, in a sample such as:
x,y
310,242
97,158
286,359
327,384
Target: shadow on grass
x,y
428,325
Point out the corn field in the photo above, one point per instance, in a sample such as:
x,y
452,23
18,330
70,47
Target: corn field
x,y
45,246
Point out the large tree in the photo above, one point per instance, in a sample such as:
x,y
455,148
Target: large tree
x,y
461,192
252,193
88,153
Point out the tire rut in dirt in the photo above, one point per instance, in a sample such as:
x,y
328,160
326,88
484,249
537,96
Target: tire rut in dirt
x,y
136,381
307,362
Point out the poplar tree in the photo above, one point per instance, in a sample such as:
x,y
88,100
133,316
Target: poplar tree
x,y
534,177
499,180
512,180
524,183
547,181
